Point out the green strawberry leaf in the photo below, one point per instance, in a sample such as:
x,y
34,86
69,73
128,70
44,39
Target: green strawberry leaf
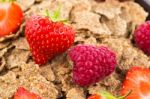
x,y
56,16
47,13
11,0
7,0
107,95
123,97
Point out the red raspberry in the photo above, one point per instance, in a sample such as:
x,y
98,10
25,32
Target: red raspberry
x,y
91,64
142,37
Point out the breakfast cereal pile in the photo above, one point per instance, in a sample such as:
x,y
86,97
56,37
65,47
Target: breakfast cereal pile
x,y
101,22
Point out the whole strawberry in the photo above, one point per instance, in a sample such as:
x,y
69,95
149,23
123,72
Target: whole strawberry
x,y
91,64
142,37
48,37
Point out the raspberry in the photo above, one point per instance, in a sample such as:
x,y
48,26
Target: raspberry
x,y
91,64
142,37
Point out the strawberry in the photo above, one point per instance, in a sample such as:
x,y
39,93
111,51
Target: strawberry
x,y
95,96
24,94
48,37
106,95
11,16
137,80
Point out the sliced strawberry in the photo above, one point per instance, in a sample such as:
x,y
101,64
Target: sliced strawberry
x,y
137,80
24,94
95,96
11,16
107,95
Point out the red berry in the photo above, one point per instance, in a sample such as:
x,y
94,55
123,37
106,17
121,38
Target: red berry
x,y
91,64
96,96
138,81
11,16
142,37
25,94
47,38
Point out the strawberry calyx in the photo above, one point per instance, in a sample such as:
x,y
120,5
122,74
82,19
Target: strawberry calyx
x,y
55,17
7,1
108,95
124,96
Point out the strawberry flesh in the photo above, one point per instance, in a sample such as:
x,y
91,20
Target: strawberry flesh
x,y
22,93
95,96
137,80
11,16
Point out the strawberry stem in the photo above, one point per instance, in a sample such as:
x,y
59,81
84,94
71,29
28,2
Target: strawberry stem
x,y
3,0
123,97
108,95
7,0
56,15
47,13
12,0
